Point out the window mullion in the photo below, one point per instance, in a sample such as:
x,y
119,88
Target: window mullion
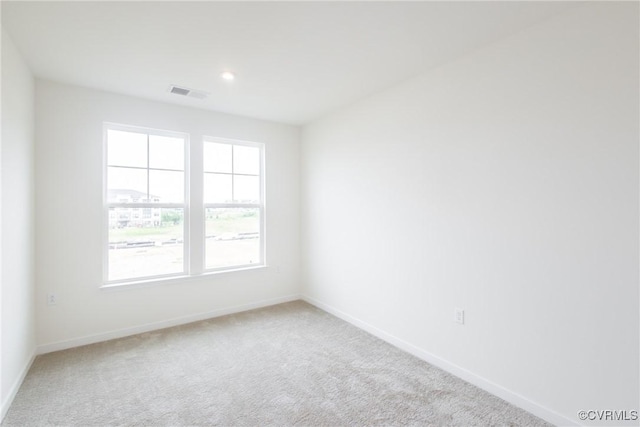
x,y
194,165
148,172
233,181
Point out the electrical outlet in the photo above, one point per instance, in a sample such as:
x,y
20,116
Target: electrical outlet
x,y
52,298
458,315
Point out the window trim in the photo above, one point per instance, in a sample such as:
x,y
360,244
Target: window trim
x,y
185,205
260,205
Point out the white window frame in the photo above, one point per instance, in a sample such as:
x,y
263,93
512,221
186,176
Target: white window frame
x,y
260,205
185,205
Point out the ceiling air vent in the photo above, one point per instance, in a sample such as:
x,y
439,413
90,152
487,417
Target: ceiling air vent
x,y
191,93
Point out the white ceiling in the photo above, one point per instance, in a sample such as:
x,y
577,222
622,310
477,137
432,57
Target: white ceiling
x,y
294,61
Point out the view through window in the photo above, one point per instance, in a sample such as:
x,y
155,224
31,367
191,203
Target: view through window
x,y
233,204
146,198
146,202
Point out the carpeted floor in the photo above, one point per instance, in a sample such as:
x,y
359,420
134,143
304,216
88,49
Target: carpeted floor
x,y
289,364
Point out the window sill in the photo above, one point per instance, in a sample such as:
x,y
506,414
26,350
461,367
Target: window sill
x,y
175,279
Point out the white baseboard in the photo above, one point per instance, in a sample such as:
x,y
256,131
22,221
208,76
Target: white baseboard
x,y
493,388
106,336
6,403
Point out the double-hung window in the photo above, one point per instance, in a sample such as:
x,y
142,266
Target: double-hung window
x,y
147,203
155,230
233,203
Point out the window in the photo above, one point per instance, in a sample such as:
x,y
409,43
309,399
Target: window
x,y
155,230
146,202
233,204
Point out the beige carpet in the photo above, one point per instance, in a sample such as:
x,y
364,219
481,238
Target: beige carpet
x,y
290,364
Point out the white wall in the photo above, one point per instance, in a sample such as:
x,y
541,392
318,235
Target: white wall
x,y
69,160
505,183
17,286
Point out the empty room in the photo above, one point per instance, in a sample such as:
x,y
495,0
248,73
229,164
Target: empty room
x,y
338,213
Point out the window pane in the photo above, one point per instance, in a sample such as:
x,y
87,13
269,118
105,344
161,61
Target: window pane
x,y
166,186
166,152
232,237
126,149
145,242
246,160
246,189
217,188
126,185
217,157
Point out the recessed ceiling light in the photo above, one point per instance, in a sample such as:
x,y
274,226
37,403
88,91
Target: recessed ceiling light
x,y
227,75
